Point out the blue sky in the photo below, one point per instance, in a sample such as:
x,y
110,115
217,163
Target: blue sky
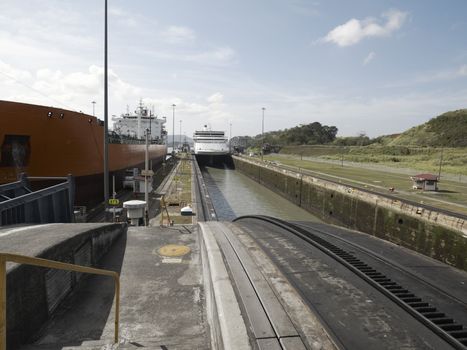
x,y
369,66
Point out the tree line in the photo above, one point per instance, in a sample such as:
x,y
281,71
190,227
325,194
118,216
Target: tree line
x,y
304,134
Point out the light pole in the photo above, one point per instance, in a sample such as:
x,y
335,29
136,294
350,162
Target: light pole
x,y
106,114
180,145
262,133
93,108
173,129
440,163
146,168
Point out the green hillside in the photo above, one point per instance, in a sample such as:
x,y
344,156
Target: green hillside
x,y
421,147
447,130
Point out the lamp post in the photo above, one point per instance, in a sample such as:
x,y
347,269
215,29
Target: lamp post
x,y
440,163
180,145
230,138
146,168
106,114
262,133
173,129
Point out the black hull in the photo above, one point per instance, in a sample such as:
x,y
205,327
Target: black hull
x,y
214,160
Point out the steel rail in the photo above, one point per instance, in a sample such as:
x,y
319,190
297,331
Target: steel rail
x,y
445,327
26,260
381,259
57,178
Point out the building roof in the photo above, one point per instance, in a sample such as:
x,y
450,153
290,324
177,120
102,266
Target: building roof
x,y
427,177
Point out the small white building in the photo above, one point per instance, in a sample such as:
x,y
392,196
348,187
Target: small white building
x,y
425,182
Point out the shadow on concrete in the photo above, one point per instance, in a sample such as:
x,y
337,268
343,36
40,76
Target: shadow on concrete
x,y
83,315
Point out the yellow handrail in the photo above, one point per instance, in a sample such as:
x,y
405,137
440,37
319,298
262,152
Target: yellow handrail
x,y
21,259
164,207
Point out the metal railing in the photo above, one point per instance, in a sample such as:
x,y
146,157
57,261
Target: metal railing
x,y
51,204
21,259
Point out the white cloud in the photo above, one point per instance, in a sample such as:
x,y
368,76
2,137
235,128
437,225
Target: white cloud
x,y
369,58
124,18
355,30
193,111
72,90
178,35
305,7
216,98
116,11
441,75
9,73
219,56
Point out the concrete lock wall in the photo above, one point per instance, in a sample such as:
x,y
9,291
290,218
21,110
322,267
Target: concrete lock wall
x,y
34,293
431,233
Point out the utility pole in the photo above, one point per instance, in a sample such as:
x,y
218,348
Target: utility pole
x,y
440,163
230,138
106,118
262,135
173,129
146,165
180,145
151,114
113,196
342,156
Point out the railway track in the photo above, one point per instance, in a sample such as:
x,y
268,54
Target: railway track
x,y
423,309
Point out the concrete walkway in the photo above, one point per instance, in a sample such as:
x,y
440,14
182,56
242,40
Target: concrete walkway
x,y
162,297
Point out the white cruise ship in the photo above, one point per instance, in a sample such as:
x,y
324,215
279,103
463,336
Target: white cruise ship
x,y
210,146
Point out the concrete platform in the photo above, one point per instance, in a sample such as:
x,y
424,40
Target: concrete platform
x,y
34,293
178,292
216,285
33,240
162,297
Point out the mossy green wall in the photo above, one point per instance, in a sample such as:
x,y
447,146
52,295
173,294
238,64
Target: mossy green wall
x,y
331,205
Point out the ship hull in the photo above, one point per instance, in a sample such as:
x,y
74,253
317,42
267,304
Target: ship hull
x,y
214,160
45,141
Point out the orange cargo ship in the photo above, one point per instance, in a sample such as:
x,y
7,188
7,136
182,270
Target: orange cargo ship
x,y
46,141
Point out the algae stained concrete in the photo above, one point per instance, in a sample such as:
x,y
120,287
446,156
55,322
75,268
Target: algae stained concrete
x,y
428,232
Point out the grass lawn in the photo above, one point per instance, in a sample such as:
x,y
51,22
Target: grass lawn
x,y
427,159
181,191
452,195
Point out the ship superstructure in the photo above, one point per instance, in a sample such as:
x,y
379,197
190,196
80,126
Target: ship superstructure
x,y
209,142
210,146
134,126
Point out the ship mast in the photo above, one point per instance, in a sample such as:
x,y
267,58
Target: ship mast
x,y
139,113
